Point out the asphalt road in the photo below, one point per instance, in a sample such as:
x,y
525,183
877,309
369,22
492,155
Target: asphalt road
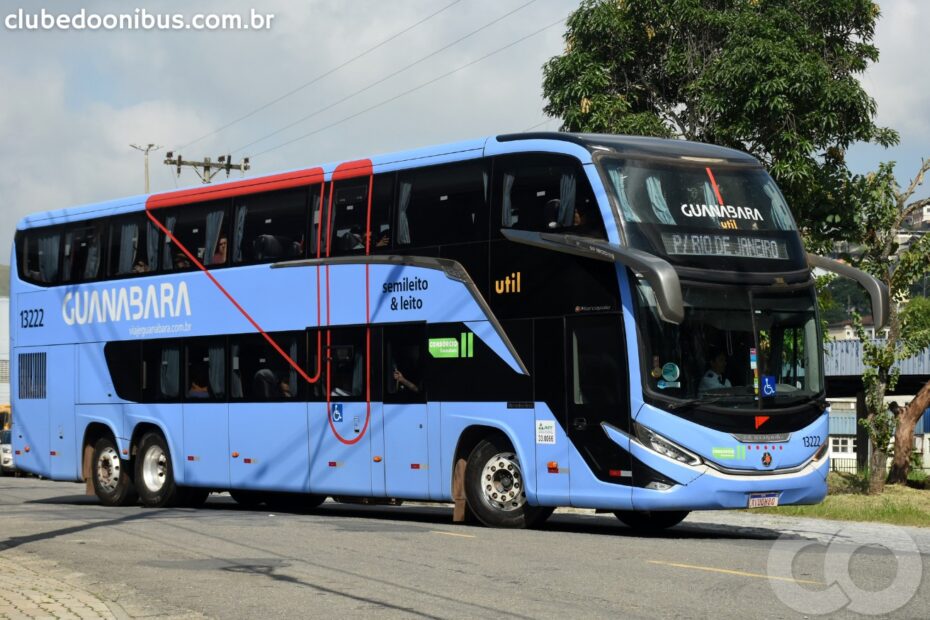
x,y
411,561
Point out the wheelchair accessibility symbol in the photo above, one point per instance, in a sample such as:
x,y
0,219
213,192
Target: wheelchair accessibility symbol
x,y
336,412
768,386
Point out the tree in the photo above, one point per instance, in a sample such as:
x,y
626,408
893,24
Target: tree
x,y
880,216
775,78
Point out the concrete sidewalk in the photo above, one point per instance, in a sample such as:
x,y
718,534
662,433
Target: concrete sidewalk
x,y
34,588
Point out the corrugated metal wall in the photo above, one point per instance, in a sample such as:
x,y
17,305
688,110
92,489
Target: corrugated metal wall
x,y
843,358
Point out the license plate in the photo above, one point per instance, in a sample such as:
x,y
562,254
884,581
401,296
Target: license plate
x,y
760,500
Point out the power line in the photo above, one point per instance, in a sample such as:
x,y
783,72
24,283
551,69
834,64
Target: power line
x,y
319,77
385,78
414,89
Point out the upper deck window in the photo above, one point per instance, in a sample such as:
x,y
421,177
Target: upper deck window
x,y
202,230
83,253
268,227
442,204
546,193
40,253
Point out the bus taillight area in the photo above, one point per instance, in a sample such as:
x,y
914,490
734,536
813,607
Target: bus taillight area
x,y
680,464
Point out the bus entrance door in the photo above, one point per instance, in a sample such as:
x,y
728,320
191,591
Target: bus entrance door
x,y
405,412
598,406
340,427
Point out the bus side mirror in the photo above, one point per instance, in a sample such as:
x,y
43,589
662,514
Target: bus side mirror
x,y
877,290
660,274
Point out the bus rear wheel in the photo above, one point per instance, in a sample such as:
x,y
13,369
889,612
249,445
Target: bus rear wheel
x,y
110,475
154,473
651,520
494,487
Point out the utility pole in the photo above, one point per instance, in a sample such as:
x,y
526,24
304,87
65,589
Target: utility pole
x,y
207,169
145,149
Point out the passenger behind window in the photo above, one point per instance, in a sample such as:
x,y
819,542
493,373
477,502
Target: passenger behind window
x,y
199,382
219,255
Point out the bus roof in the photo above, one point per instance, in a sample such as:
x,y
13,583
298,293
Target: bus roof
x,y
578,144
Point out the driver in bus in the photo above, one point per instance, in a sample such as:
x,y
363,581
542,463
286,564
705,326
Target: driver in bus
x,y
713,379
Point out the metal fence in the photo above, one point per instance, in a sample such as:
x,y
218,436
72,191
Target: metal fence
x,y
845,466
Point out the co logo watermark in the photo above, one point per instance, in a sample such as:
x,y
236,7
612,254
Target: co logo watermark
x,y
841,592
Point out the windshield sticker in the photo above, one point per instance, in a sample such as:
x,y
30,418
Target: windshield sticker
x,y
670,372
677,244
663,384
768,386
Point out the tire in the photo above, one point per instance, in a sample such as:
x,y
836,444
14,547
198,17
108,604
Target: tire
x,y
192,497
292,502
651,520
154,472
248,499
494,487
110,474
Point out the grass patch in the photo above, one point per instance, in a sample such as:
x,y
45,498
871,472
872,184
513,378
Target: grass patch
x,y
847,501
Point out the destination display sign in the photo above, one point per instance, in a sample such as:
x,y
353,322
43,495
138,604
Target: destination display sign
x,y
705,244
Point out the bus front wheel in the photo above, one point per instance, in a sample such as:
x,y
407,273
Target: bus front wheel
x,y
494,487
111,479
651,520
154,474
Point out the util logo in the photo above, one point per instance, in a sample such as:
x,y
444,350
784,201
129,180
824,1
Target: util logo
x,y
510,284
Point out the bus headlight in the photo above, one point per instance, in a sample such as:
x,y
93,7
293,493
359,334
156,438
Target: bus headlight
x,y
665,447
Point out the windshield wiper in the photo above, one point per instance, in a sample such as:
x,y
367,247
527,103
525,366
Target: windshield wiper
x,y
694,402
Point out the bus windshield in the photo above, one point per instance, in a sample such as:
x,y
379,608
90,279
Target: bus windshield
x,y
734,349
694,213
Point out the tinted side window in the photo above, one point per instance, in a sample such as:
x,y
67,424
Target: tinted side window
x,y
346,364
40,254
442,204
258,373
124,360
200,228
134,244
382,202
206,369
161,371
349,217
270,227
405,364
83,252
546,193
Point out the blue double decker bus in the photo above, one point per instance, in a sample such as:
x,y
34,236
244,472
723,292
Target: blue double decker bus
x,y
530,321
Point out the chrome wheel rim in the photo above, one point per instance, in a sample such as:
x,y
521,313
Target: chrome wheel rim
x,y
502,483
154,468
108,469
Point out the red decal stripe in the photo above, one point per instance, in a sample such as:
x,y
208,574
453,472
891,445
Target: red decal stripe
x,y
287,180
713,183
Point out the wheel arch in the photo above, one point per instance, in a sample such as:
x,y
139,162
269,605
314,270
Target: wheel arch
x,y
470,437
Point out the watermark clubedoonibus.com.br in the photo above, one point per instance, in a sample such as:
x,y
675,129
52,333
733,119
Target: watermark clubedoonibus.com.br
x,y
138,19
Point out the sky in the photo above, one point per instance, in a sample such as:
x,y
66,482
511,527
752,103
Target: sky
x,y
72,101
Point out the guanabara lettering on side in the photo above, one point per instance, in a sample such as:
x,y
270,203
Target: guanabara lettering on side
x,y
127,303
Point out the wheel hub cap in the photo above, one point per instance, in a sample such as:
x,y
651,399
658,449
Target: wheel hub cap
x,y
108,469
154,468
503,482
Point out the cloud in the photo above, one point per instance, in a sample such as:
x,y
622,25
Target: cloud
x,y
76,100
